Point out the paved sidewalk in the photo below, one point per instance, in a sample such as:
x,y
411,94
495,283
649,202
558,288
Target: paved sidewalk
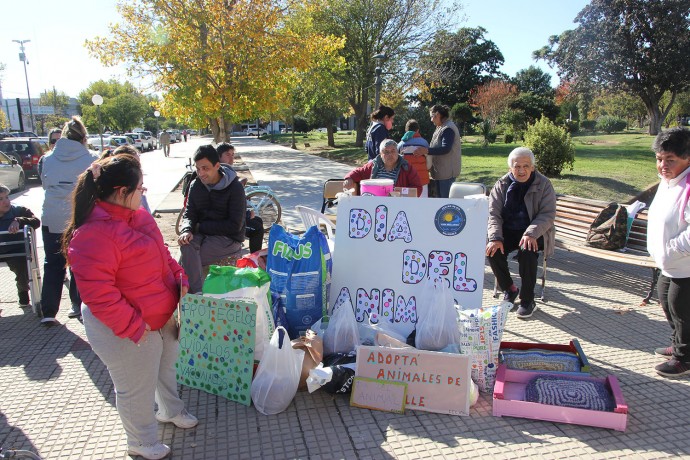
x,y
56,397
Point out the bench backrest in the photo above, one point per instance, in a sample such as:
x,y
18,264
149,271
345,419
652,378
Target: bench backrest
x,y
574,215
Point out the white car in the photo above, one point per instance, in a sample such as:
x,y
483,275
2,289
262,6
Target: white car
x,y
11,173
139,141
107,144
152,140
256,132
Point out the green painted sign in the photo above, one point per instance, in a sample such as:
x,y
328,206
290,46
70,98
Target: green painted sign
x,y
217,346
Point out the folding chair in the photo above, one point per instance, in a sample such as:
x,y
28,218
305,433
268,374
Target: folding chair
x,y
26,248
463,189
330,189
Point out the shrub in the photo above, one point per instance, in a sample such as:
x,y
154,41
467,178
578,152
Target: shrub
x,y
552,147
588,125
610,124
572,126
508,138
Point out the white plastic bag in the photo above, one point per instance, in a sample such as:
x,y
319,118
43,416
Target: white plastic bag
x,y
342,334
277,377
436,317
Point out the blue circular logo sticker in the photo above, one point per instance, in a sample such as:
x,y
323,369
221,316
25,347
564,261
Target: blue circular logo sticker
x,y
450,220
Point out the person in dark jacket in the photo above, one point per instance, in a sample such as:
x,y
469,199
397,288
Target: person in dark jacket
x,y
13,219
255,225
387,165
214,221
381,123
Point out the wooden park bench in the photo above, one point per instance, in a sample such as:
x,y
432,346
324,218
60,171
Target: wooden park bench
x,y
574,216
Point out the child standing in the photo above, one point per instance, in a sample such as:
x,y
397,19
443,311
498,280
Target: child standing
x,y
12,219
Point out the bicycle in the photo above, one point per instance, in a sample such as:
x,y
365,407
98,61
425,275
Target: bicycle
x,y
260,199
12,453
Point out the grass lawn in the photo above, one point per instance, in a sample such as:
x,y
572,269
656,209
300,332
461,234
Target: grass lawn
x,y
614,167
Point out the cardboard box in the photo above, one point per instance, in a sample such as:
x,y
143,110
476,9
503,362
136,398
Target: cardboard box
x,y
572,347
509,400
406,191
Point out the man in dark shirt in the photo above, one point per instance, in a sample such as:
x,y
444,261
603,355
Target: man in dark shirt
x,y
213,224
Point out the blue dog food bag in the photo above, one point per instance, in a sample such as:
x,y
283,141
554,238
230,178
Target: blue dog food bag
x,y
300,270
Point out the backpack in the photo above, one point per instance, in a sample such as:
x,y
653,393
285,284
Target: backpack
x,y
610,228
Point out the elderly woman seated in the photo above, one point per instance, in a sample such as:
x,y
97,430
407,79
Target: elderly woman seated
x,y
388,164
522,209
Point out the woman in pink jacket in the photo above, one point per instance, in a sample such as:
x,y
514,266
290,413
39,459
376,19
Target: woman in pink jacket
x,y
130,287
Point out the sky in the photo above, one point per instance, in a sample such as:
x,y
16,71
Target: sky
x,y
57,56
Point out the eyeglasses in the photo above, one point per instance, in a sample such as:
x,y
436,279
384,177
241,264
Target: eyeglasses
x,y
142,189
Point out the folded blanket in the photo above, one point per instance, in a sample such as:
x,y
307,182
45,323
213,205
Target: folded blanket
x,y
570,392
540,360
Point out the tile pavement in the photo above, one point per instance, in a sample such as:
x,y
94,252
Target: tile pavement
x,y
56,397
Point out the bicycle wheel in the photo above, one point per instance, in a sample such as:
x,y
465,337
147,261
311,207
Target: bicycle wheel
x,y
265,206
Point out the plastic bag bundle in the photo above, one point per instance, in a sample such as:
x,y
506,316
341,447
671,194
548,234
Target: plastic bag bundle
x,y
276,380
245,284
481,331
436,317
342,333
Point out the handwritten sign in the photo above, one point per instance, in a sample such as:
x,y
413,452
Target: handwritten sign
x,y
217,346
386,246
436,382
379,395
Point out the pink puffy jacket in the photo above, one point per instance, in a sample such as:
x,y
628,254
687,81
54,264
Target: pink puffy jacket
x,y
124,272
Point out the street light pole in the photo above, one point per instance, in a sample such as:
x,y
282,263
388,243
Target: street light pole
x,y
22,57
157,114
97,100
378,82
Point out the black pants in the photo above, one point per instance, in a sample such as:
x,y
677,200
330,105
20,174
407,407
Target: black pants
x,y
674,297
527,262
255,233
54,276
21,273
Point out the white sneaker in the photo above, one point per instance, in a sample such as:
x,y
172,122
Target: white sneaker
x,y
182,420
149,451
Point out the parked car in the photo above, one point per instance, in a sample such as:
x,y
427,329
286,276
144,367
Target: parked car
x,y
11,173
256,132
151,138
108,143
139,141
24,134
27,152
175,135
122,140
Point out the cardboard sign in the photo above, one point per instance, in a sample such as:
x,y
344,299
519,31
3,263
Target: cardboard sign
x,y
217,346
379,395
386,247
405,191
436,382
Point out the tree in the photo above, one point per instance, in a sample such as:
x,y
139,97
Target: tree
x,y
552,146
618,104
534,106
58,100
535,81
396,28
639,46
454,64
225,61
493,98
123,109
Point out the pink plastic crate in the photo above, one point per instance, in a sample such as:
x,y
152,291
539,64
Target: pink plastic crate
x,y
509,399
572,347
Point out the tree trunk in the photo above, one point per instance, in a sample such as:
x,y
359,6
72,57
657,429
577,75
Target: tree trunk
x,y
655,120
292,121
362,119
329,134
213,123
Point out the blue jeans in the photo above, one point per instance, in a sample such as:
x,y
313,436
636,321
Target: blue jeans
x,y
54,275
443,187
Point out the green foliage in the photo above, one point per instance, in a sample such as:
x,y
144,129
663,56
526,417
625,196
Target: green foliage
x,y
535,106
454,63
610,124
588,125
488,133
572,126
419,113
508,138
641,47
123,109
535,81
552,146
